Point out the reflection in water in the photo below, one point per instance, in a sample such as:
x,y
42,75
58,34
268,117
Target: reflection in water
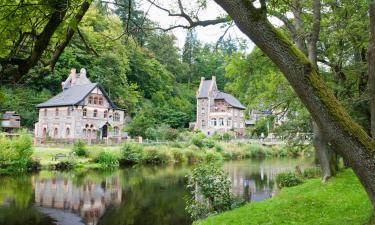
x,y
139,195
88,200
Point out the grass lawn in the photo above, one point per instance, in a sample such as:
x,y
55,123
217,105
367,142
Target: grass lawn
x,y
341,201
46,154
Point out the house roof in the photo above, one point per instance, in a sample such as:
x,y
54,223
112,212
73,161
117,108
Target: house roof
x,y
74,96
230,99
205,88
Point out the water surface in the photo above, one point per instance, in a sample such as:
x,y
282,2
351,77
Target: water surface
x,y
141,195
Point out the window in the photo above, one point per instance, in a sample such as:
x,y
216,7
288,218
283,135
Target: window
x,y
45,112
221,122
95,100
55,132
95,113
56,112
203,110
68,111
100,101
116,131
90,100
203,123
116,117
67,132
44,132
213,122
105,113
229,122
84,112
235,124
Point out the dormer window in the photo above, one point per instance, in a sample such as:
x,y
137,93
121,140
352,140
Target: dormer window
x,y
100,101
95,100
116,117
90,100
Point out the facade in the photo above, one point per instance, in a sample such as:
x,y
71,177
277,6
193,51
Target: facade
x,y
82,110
218,112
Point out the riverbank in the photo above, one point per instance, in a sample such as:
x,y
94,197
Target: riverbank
x,y
342,200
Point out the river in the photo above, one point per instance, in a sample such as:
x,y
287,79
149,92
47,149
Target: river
x,y
141,195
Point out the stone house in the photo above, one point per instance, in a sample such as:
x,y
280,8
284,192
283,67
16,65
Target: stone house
x,y
217,111
83,110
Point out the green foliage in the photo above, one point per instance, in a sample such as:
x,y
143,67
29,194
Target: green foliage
x,y
219,148
80,148
107,160
209,143
198,139
310,173
305,204
179,155
288,179
227,136
15,153
157,155
65,165
213,157
132,153
210,190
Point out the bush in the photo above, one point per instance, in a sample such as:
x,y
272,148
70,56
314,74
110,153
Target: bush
x,y
65,165
219,148
178,155
15,153
107,160
210,189
288,179
213,157
155,155
194,156
209,143
132,153
256,151
311,173
80,148
198,140
227,136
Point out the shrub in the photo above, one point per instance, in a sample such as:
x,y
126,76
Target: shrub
x,y
210,189
288,179
198,140
15,153
65,165
157,156
176,144
227,136
107,160
213,157
219,148
209,143
311,173
194,156
178,155
256,151
80,148
132,153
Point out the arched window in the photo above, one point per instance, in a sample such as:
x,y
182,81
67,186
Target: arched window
x,y
84,112
67,132
116,117
90,100
213,122
116,130
100,101
87,126
95,113
57,112
95,100
105,113
92,126
221,122
45,112
55,132
44,132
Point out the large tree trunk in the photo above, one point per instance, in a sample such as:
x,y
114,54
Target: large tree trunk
x,y
371,66
346,136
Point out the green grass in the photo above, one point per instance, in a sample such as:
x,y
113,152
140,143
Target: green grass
x,y
340,201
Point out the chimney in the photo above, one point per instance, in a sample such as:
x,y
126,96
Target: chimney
x,y
213,79
82,73
73,75
202,79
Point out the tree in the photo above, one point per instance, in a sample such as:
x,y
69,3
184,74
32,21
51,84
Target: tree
x,y
345,135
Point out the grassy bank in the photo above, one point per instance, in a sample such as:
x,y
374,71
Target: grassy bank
x,y
341,201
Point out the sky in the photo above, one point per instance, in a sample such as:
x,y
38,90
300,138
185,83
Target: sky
x,y
209,34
